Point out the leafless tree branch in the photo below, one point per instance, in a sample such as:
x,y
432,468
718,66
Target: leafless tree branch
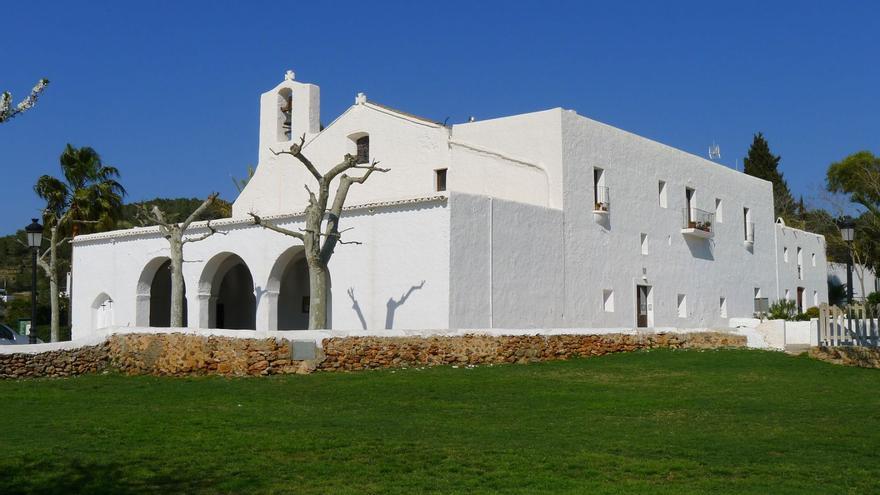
x,y
281,230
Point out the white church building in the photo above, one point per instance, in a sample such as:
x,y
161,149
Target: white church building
x,y
540,220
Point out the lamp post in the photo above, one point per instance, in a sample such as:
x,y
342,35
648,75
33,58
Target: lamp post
x,y
847,231
34,240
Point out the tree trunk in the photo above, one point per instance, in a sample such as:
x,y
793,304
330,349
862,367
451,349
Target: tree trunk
x,y
55,327
319,287
52,273
177,287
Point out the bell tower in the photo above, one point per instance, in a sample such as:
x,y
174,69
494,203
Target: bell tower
x,y
288,111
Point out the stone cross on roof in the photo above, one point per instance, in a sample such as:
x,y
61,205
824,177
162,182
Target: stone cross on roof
x,y
289,75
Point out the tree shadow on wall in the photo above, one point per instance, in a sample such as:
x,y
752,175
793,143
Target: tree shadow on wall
x,y
392,305
357,308
75,476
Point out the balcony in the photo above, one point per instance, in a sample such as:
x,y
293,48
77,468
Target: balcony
x,y
602,201
698,223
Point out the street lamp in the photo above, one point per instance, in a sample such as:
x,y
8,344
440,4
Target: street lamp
x,y
847,231
34,240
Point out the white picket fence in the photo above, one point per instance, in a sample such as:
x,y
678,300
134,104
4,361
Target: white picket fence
x,y
856,325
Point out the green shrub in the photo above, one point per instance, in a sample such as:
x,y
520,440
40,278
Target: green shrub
x,y
874,298
783,309
812,312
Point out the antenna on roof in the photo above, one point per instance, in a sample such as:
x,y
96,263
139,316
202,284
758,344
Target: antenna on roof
x,y
714,151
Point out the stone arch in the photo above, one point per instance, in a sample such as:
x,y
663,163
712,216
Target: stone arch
x,y
102,311
288,291
153,306
226,294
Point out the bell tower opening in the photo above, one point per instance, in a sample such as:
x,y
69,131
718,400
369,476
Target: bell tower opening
x,y
285,114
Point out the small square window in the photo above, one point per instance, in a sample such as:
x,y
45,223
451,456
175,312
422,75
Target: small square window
x,y
440,180
608,300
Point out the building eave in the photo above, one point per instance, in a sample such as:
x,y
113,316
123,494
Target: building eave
x,y
239,222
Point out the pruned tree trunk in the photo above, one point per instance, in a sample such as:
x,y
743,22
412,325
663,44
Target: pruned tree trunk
x,y
174,233
177,286
322,222
319,288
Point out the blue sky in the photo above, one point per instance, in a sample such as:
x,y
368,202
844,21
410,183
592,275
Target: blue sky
x,y
168,91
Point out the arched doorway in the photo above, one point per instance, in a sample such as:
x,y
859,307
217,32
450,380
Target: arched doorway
x,y
287,291
293,295
227,288
160,298
154,295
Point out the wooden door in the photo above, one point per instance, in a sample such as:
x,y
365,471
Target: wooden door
x,y
642,306
800,299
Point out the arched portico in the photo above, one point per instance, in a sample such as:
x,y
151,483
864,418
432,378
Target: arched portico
x,y
286,299
153,307
226,294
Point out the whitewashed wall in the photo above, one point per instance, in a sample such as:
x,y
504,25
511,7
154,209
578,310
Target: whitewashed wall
x,y
604,251
402,246
506,264
814,277
411,148
516,158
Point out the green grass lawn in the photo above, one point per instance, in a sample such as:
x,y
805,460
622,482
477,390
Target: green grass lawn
x,y
651,422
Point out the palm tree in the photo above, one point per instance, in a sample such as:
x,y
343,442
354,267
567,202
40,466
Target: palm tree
x,y
89,197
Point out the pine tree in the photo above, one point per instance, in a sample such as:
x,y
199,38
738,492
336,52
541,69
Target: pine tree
x,y
763,164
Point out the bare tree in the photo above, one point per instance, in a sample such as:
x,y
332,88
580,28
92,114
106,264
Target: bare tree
x,y
8,112
322,233
175,233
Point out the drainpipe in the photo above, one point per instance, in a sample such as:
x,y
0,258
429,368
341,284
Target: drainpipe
x,y
491,269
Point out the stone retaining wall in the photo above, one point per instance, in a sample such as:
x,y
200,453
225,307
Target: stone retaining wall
x,y
183,354
69,362
178,354
357,353
863,357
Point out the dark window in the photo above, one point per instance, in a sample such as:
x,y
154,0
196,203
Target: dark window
x,y
440,179
363,149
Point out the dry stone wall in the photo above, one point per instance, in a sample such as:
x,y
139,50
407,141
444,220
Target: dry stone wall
x,y
177,354
357,353
863,357
56,364
186,354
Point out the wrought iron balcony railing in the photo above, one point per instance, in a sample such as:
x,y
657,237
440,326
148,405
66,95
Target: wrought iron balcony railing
x,y
698,222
